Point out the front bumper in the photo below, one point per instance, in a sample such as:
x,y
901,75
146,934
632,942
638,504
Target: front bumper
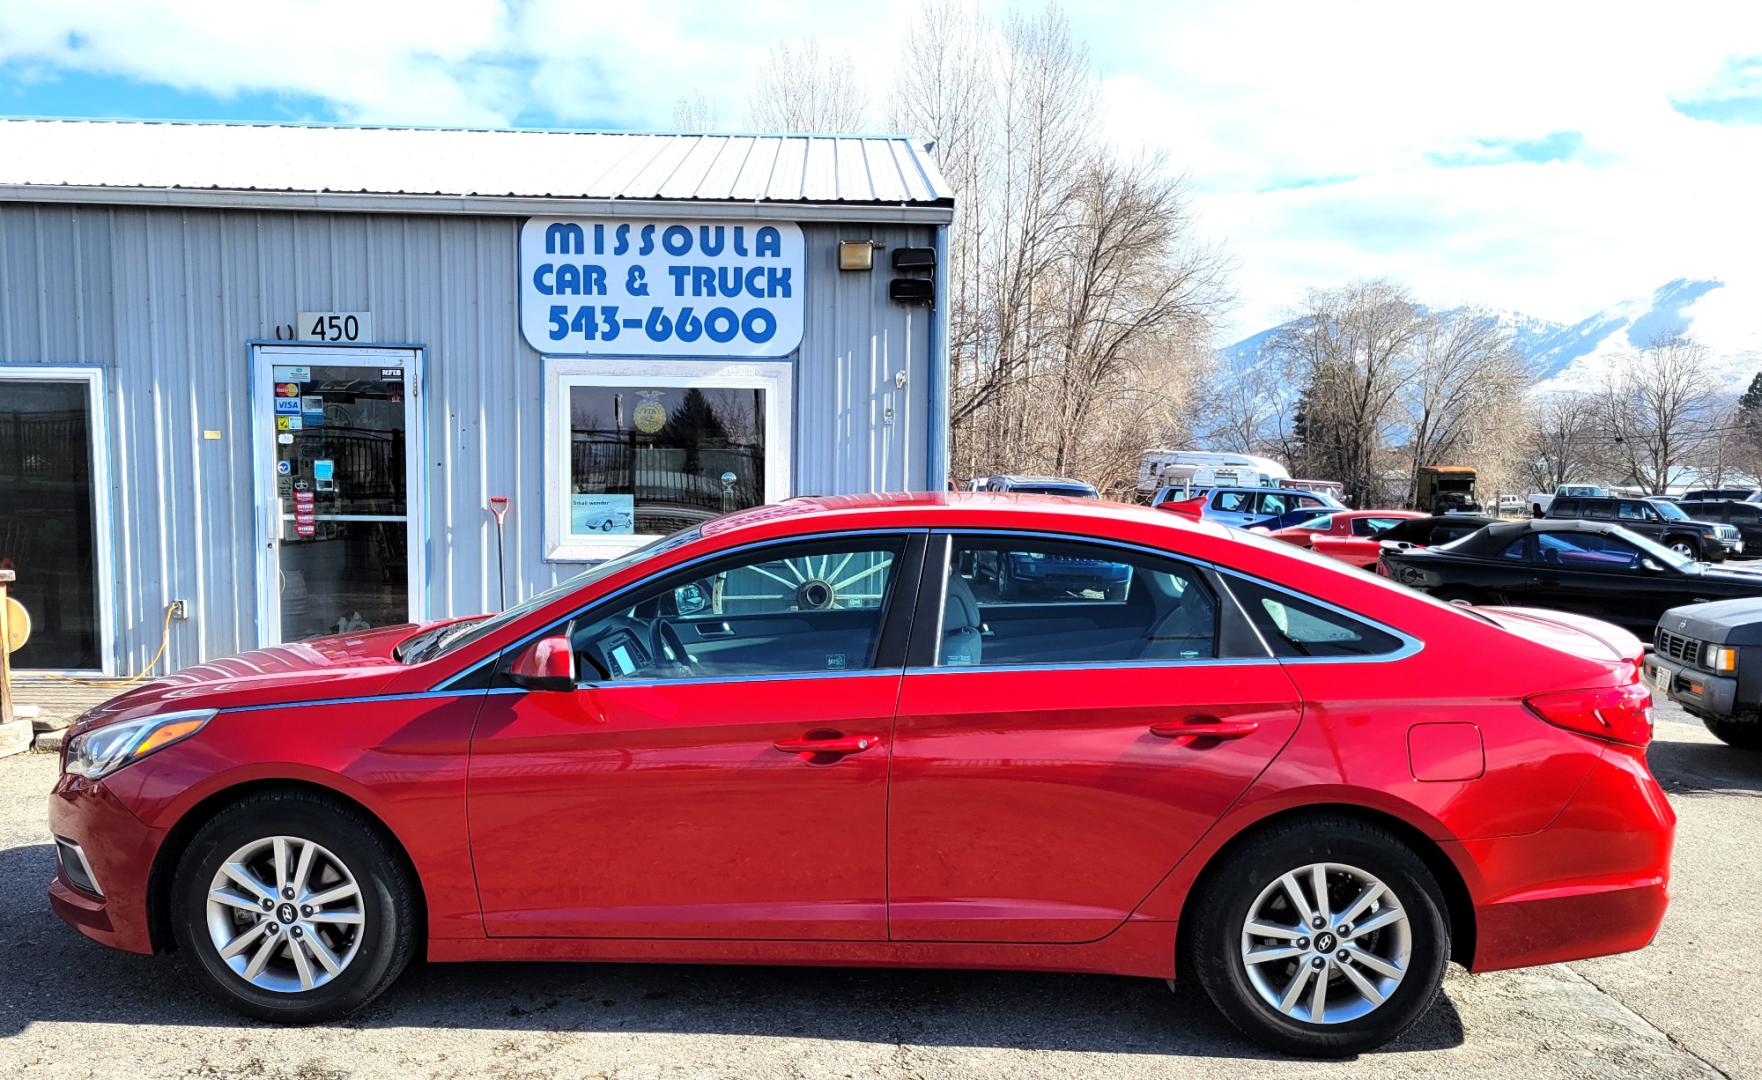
x,y
1594,882
118,851
1700,692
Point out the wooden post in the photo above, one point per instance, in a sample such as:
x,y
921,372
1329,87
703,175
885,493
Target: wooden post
x,y
6,578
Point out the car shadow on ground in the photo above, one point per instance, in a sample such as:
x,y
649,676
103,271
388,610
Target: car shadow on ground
x,y
1691,768
55,975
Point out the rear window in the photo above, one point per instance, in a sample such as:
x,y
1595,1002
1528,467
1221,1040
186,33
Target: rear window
x,y
1297,627
1565,508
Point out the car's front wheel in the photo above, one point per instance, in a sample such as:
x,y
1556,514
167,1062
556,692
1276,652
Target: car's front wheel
x,y
1743,734
1323,937
1684,546
293,908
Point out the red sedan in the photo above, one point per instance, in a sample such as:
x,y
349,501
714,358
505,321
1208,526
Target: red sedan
x,y
807,734
1349,535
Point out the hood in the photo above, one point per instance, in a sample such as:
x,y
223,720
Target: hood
x,y
347,665
1577,635
1724,622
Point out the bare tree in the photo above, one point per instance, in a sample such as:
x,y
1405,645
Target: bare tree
x,y
801,90
1349,351
1248,411
1463,365
1656,408
1564,445
695,113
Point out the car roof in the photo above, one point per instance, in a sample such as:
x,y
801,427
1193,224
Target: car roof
x,y
1501,535
928,509
1013,478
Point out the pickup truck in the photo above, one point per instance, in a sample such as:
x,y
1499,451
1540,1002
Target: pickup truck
x,y
1708,659
1539,500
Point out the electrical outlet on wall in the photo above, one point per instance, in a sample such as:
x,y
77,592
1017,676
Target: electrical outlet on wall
x,y
179,610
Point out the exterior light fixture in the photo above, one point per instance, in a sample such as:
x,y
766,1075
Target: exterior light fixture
x,y
856,254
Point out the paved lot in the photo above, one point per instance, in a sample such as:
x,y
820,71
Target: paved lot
x,y
1686,1007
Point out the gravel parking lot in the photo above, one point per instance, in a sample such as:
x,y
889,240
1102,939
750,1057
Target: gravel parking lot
x,y
1686,1007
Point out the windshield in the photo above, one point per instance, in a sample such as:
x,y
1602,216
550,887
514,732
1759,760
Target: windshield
x,y
1669,510
458,635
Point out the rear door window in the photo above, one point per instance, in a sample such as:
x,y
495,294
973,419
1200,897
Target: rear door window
x,y
1018,601
1274,503
1564,508
1233,502
1295,626
1599,511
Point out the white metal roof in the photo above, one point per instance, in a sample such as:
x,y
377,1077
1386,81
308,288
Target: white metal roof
x,y
466,167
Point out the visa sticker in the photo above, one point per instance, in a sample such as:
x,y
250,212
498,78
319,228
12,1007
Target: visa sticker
x,y
287,405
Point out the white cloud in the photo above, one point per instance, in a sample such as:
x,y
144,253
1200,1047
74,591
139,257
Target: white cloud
x,y
1313,134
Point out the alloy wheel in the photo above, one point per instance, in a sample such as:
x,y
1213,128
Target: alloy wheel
x,y
285,914
1326,943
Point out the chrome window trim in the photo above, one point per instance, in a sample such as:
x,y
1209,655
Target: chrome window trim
x,y
1410,645
955,533
905,533
496,656
466,673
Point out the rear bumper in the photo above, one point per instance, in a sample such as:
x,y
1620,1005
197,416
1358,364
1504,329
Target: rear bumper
x,y
1594,882
1701,693
119,851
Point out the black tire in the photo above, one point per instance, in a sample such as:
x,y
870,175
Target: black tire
x,y
1007,587
1220,909
388,904
1742,734
1686,545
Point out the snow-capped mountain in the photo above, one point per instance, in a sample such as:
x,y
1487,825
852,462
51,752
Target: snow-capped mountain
x,y
1577,356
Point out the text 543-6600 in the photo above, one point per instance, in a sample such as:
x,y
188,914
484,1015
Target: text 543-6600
x,y
603,322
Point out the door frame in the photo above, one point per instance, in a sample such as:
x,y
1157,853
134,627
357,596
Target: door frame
x,y
103,498
266,509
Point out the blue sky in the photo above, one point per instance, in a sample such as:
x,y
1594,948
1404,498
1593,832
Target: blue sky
x,y
1550,158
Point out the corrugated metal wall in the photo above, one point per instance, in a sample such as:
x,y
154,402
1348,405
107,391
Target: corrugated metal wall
x,y
165,300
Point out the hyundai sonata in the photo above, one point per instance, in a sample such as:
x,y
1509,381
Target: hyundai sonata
x,y
809,733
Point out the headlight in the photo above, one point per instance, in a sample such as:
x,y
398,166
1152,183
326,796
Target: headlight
x,y
1722,658
99,753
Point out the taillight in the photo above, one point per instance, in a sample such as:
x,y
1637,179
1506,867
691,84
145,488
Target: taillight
x,y
1618,713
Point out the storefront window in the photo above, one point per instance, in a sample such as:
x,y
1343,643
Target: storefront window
x,y
642,450
48,531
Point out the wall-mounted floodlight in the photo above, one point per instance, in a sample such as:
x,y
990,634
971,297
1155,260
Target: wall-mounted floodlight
x,y
856,254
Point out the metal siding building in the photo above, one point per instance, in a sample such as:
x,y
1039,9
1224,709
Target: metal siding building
x,y
160,272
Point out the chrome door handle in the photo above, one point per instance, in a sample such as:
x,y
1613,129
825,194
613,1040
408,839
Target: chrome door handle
x,y
835,744
1205,727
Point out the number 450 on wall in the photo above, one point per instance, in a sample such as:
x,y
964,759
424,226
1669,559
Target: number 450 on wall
x,y
335,326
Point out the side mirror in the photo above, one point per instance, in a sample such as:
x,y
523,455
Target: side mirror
x,y
546,664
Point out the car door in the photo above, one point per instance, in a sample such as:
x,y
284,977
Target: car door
x,y
1601,575
1042,785
739,791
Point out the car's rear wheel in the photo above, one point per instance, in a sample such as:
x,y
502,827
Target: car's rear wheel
x,y
293,908
1322,937
1743,734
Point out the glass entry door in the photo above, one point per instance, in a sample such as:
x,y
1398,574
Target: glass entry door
x,y
336,481
50,526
